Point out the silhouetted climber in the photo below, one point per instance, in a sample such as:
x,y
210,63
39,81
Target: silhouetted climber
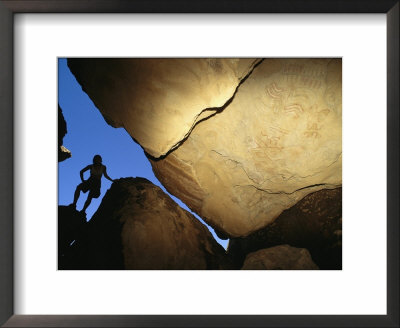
x,y
93,184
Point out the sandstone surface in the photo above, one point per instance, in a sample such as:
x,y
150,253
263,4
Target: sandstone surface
x,y
278,140
158,101
138,226
239,141
281,257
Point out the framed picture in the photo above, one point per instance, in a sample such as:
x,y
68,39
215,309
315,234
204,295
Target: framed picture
x,y
40,53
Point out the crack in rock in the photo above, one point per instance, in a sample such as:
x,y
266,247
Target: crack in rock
x,y
213,110
268,191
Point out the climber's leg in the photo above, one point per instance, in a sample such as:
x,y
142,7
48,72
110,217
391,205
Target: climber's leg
x,y
87,203
76,195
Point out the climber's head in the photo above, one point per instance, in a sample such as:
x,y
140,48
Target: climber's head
x,y
97,159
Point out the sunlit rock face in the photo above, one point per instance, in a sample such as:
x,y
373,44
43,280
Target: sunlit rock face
x,y
279,140
281,257
138,226
158,101
240,165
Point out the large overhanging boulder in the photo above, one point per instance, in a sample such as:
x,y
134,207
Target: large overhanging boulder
x,y
159,101
237,141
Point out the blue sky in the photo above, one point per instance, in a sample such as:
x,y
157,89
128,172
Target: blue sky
x,y
89,134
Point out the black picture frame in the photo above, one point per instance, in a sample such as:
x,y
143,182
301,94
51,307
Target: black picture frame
x,y
10,7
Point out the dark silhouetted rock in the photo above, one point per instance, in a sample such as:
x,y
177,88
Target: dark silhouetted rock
x,y
314,223
63,153
138,226
71,227
281,257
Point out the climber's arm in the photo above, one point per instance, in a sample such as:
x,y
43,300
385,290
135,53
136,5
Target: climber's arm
x,y
83,171
106,175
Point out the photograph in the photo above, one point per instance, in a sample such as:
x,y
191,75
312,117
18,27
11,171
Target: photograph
x,y
199,163
167,163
